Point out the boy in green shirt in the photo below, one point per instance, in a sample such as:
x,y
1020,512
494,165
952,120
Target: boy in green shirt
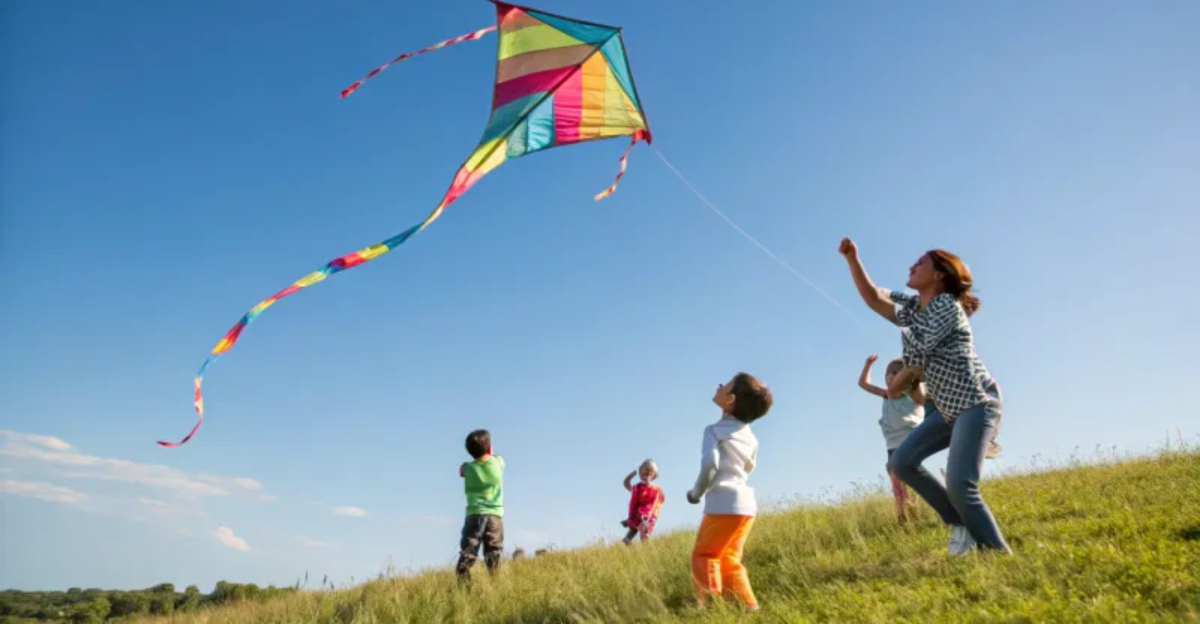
x,y
483,481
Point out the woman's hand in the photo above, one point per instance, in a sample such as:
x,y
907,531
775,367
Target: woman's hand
x,y
875,298
848,249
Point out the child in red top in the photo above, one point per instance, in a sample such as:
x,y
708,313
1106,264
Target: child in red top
x,y
645,499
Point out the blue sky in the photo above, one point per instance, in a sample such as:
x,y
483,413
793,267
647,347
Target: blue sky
x,y
164,168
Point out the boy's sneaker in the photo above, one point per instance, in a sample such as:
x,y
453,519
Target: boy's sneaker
x,y
961,541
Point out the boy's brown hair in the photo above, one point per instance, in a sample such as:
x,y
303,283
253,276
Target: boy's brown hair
x,y
752,399
479,443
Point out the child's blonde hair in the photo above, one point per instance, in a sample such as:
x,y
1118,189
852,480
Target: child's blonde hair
x,y
649,463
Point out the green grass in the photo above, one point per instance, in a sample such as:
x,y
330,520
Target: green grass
x,y
1116,541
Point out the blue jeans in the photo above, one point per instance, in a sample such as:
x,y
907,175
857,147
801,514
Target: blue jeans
x,y
968,438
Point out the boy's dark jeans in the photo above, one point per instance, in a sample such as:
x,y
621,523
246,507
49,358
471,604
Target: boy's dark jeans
x,y
487,531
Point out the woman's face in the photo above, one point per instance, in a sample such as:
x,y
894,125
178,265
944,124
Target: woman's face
x,y
922,275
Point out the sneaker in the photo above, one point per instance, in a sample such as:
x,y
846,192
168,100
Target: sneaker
x,y
961,541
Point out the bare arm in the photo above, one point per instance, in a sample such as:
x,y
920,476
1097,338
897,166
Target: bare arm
x,y
918,394
462,470
875,298
908,377
864,379
629,479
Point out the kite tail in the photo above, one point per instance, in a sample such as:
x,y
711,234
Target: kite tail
x,y
336,265
637,136
437,46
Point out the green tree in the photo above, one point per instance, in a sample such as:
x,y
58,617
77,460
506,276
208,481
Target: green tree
x,y
163,588
190,600
222,593
162,603
130,603
91,612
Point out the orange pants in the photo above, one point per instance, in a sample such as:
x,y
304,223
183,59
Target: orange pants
x,y
717,558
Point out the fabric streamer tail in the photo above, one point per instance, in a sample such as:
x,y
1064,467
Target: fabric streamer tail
x,y
336,265
437,46
637,136
569,83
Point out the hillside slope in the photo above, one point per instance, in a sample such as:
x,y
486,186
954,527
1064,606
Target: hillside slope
x,y
1111,542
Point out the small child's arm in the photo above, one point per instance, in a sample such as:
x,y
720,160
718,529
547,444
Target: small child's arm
x,y
629,479
864,379
462,470
905,380
708,468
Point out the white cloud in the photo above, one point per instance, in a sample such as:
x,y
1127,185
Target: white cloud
x,y
225,534
42,491
49,442
350,512
81,466
247,483
163,508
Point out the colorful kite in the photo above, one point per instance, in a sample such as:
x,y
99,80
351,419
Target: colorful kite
x,y
559,81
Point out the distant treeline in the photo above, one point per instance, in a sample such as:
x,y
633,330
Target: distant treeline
x,y
93,606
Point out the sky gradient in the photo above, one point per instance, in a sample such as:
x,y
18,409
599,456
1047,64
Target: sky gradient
x,y
164,168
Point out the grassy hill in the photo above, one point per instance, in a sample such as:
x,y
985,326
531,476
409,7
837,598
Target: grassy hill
x,y
1117,541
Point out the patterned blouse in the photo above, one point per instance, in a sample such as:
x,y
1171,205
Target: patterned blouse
x,y
938,339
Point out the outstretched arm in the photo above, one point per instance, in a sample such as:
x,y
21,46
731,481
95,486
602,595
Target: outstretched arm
x,y
875,298
864,379
629,480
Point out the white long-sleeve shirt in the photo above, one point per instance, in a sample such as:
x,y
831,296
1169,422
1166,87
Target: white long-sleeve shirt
x,y
727,457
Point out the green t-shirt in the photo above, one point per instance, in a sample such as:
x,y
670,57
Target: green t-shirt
x,y
483,482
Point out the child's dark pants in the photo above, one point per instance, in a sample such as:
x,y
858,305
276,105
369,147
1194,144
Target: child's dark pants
x,y
487,531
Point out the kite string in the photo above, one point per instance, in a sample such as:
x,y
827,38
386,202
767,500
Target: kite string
x,y
748,237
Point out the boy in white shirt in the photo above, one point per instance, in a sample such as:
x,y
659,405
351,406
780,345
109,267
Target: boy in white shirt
x,y
728,456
